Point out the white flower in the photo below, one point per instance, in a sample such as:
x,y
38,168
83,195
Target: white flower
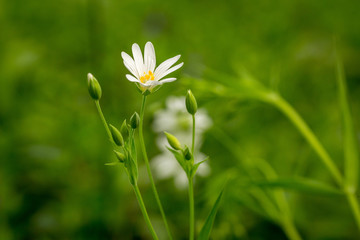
x,y
176,120
143,70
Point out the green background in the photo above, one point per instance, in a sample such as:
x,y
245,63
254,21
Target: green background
x,y
53,181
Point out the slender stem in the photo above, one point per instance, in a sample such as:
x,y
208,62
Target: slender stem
x,y
193,134
143,149
144,212
300,124
103,119
354,207
290,229
304,129
192,212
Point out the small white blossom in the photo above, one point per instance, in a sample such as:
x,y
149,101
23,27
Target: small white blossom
x,y
143,70
176,120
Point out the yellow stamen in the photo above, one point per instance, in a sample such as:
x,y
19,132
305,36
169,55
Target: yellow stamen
x,y
146,77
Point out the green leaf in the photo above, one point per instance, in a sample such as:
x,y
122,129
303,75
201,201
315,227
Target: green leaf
x,y
196,166
206,229
180,158
300,184
350,143
112,163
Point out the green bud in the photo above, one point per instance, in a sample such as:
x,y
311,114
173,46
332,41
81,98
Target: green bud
x,y
190,102
187,154
116,135
135,120
93,87
124,129
173,141
119,156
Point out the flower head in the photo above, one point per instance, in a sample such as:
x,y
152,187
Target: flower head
x,y
143,70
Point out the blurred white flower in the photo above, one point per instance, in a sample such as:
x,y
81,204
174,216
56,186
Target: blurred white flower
x,y
143,70
177,121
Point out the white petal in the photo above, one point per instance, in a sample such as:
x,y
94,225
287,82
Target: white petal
x,y
139,61
132,78
152,83
170,70
165,66
132,69
129,61
166,80
149,57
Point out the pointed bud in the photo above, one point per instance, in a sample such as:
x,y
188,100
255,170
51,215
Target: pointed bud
x,y
134,120
173,141
119,156
93,87
190,102
116,135
187,154
124,129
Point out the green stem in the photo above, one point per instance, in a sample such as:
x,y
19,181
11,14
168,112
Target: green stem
x,y
290,229
300,124
144,212
354,207
193,135
103,119
143,149
192,212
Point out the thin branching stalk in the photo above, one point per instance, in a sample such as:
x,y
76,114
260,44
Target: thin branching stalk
x,y
191,188
192,211
193,134
152,182
144,212
135,187
97,103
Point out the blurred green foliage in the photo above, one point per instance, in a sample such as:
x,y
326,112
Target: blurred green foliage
x,y
53,181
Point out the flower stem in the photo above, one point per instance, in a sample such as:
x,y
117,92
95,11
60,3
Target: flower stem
x,y
144,212
193,134
97,103
191,206
143,149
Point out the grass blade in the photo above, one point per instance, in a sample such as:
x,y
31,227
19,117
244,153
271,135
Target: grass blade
x,y
350,143
300,184
206,229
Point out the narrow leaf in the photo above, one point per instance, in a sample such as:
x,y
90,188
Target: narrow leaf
x,y
196,166
300,184
206,229
179,157
350,143
112,163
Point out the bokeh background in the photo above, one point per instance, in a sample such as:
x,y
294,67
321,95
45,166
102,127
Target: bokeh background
x,y
53,181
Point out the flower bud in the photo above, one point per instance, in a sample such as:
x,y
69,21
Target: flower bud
x,y
119,156
116,135
190,102
173,141
93,87
124,129
134,120
187,154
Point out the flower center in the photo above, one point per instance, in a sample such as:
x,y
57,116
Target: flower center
x,y
147,76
